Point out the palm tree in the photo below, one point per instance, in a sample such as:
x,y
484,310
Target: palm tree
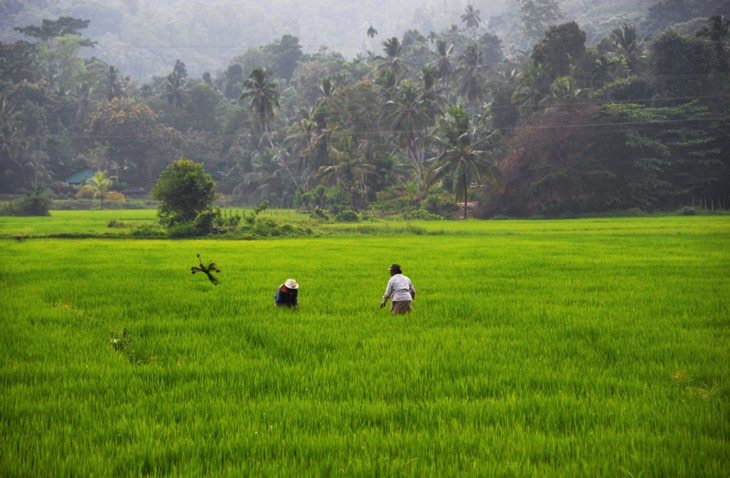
x,y
472,85
625,43
464,154
392,60
350,169
444,65
564,93
471,17
407,118
112,80
606,69
431,94
262,95
529,91
716,31
99,186
84,100
326,88
174,87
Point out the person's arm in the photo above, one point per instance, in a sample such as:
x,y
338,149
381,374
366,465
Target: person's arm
x,y
412,290
278,297
388,293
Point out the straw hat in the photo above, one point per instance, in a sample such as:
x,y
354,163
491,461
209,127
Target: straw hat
x,y
291,284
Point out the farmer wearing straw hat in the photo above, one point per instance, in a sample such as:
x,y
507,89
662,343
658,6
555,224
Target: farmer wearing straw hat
x,y
400,290
286,295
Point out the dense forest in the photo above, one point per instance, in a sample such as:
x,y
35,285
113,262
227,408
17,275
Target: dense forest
x,y
521,108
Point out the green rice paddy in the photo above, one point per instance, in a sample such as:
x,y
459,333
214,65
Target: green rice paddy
x,y
592,347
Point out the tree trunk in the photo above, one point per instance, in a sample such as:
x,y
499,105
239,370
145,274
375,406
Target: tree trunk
x,y
465,188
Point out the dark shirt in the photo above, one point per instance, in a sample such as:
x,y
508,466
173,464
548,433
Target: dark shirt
x,y
286,297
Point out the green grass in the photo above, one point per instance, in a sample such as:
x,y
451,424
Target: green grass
x,y
593,347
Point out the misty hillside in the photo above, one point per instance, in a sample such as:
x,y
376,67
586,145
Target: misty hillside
x,y
145,37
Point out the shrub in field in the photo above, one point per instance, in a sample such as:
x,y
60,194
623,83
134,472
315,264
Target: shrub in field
x,y
182,230
319,214
347,216
421,215
36,202
116,223
147,231
687,211
212,221
185,189
441,205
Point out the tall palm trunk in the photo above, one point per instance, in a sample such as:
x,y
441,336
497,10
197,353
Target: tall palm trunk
x,y
465,189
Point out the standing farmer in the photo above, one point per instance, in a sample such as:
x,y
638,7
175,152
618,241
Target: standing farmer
x,y
400,290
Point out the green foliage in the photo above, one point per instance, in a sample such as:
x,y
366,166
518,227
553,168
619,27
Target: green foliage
x,y
99,186
320,214
148,231
559,51
347,216
441,205
63,26
36,202
421,215
185,190
680,65
627,90
316,129
215,222
121,342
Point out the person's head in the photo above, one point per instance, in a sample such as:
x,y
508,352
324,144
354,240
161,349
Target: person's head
x,y
291,284
395,269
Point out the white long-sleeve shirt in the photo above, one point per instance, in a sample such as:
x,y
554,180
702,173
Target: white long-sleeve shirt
x,y
399,289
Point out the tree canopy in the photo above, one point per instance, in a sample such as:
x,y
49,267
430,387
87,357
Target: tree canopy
x,y
572,121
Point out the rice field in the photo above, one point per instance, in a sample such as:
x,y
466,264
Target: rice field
x,y
593,347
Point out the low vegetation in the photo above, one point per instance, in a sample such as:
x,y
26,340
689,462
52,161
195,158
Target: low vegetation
x,y
590,347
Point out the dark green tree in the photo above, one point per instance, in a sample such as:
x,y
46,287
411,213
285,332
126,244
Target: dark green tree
x,y
680,66
490,47
466,154
285,55
233,81
560,50
392,61
175,89
445,64
471,82
716,32
262,95
624,42
184,189
63,26
407,116
202,107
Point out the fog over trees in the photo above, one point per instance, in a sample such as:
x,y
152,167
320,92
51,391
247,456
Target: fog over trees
x,y
143,37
